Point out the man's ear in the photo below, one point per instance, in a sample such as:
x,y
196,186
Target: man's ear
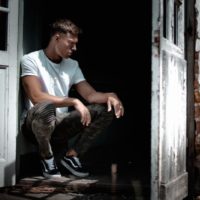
x,y
57,36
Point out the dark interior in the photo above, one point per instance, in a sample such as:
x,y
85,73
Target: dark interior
x,y
114,53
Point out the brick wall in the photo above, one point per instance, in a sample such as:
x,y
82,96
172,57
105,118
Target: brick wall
x,y
197,102
197,97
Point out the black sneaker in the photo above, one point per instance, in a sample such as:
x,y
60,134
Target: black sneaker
x,y
72,164
49,168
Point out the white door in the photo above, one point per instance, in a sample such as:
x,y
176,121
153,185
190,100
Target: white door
x,y
168,156
8,91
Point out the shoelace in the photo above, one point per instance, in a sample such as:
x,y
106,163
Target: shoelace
x,y
77,161
51,164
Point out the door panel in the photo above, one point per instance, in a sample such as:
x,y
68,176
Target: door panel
x,y
173,178
3,114
8,92
168,173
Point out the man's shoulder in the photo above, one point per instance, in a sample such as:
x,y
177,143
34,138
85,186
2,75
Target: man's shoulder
x,y
32,55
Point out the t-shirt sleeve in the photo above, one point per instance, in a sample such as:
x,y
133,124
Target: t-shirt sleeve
x,y
78,75
28,67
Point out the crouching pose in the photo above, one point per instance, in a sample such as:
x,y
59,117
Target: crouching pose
x,y
47,76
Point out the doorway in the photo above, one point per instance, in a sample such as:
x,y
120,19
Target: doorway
x,y
105,57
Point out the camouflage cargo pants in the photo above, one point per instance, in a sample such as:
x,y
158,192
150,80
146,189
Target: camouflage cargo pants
x,y
48,129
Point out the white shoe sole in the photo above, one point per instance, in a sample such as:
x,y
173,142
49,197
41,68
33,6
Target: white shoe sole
x,y
46,175
79,174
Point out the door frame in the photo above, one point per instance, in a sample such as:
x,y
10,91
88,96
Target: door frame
x,y
9,65
190,52
166,53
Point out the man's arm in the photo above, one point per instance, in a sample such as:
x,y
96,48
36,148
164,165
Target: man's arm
x,y
92,96
33,90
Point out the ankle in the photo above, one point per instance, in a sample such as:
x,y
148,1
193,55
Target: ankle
x,y
46,157
71,152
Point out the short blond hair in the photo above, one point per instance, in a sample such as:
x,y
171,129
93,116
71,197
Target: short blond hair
x,y
64,26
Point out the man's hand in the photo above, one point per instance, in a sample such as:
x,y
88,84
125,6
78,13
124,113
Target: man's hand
x,y
92,96
83,110
113,101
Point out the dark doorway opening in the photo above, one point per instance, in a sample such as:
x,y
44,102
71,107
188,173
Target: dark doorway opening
x,y
114,53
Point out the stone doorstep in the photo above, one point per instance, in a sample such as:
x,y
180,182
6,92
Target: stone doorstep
x,y
42,185
68,188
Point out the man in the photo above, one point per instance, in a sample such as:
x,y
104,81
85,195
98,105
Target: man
x,y
47,76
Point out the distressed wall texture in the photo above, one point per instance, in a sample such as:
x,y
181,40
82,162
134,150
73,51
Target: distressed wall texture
x,y
197,79
197,96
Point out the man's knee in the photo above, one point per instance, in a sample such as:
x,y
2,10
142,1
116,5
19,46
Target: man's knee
x,y
43,115
101,110
45,112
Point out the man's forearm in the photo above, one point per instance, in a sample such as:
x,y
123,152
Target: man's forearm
x,y
99,97
57,101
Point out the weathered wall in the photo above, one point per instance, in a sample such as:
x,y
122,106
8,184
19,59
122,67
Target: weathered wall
x,y
197,95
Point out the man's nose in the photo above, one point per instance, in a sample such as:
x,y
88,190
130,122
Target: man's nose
x,y
74,48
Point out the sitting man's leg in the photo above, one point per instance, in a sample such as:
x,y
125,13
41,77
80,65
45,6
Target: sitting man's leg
x,y
46,127
71,125
40,122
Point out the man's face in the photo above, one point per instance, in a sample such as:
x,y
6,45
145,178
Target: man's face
x,y
66,44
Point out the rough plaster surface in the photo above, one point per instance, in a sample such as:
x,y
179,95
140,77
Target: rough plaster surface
x,y
197,8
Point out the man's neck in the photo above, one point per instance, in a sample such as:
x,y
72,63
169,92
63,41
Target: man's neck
x,y
51,56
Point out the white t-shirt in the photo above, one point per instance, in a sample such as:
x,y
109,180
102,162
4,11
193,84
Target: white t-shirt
x,y
56,79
